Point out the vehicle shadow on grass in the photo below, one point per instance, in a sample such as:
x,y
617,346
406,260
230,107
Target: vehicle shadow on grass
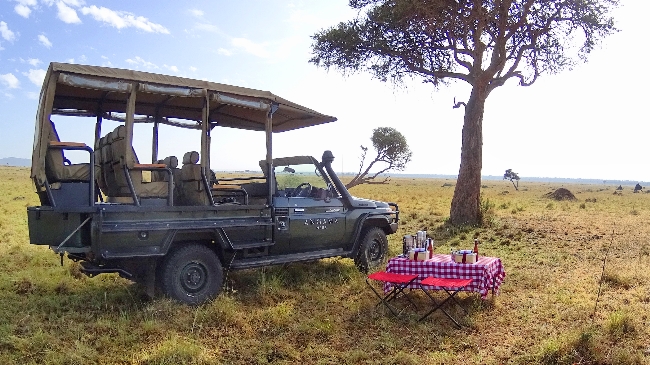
x,y
291,277
74,295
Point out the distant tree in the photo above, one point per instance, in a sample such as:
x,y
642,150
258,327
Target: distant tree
x,y
482,42
392,152
512,176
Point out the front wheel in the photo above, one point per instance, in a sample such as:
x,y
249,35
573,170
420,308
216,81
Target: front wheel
x,y
373,249
191,274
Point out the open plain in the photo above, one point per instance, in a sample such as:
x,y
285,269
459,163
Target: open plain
x,y
556,306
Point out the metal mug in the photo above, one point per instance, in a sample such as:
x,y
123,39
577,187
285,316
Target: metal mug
x,y
408,243
421,237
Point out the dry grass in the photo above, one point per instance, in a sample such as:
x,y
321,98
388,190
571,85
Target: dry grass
x,y
322,313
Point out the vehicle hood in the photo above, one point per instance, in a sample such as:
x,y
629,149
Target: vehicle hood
x,y
367,203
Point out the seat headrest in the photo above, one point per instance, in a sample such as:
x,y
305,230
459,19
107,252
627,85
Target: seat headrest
x,y
120,132
191,157
171,162
110,137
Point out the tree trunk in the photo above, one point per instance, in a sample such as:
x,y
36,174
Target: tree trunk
x,y
465,207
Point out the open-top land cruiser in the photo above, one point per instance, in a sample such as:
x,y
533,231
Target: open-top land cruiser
x,y
171,223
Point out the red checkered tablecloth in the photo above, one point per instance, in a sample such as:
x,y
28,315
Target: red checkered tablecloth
x,y
487,273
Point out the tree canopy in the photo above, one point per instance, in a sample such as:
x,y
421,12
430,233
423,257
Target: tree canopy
x,y
512,176
481,42
392,151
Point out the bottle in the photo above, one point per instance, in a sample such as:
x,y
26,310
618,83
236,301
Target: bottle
x,y
476,247
430,247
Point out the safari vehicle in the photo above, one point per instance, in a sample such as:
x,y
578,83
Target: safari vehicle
x,y
176,227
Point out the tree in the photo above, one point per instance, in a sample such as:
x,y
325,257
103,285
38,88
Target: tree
x,y
392,150
481,42
512,176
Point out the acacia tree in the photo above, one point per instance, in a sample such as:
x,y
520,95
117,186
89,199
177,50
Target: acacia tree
x,y
481,42
512,176
392,150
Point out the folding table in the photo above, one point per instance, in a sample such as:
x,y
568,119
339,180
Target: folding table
x,y
398,283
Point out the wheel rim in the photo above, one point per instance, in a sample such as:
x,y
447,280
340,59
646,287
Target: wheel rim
x,y
194,277
374,250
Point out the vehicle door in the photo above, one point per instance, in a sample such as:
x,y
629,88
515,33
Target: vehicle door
x,y
317,216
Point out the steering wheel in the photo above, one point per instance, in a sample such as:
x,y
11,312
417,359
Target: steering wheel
x,y
302,190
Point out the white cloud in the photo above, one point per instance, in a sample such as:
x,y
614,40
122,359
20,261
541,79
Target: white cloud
x,y
44,41
121,19
35,76
67,14
75,3
22,10
81,59
251,47
207,27
34,61
139,61
224,52
193,69
10,81
7,34
197,13
32,95
24,7
171,68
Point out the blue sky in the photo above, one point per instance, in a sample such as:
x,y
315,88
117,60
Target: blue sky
x,y
586,123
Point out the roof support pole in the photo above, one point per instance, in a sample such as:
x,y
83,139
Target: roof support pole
x,y
270,177
205,134
154,139
130,112
98,126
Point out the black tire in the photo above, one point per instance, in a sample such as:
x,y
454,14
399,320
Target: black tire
x,y
373,249
191,274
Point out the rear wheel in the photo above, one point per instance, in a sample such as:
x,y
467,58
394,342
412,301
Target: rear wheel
x,y
191,274
373,249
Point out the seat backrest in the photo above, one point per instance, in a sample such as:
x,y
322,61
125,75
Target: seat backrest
x,y
107,164
172,163
54,157
190,170
116,150
56,170
123,163
193,191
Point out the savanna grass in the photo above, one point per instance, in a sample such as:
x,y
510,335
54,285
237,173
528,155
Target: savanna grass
x,y
323,313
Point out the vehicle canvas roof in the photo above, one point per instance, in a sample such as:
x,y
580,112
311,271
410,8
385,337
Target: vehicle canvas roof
x,y
104,92
230,105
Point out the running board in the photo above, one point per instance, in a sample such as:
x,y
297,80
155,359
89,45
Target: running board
x,y
283,259
91,270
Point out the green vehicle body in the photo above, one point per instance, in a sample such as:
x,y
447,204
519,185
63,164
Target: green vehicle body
x,y
166,240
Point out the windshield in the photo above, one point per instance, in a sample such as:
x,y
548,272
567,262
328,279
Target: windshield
x,y
288,177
